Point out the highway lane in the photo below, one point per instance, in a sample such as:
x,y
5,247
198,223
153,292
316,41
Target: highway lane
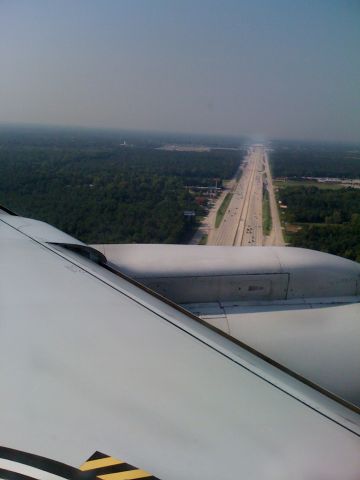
x,y
242,222
207,225
225,234
250,225
276,236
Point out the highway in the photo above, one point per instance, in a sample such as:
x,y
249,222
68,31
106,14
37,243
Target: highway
x,y
249,231
276,235
242,222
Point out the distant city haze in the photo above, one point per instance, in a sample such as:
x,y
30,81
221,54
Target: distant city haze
x,y
284,69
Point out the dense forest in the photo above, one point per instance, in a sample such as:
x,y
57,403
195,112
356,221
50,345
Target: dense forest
x,y
327,206
341,239
328,220
316,161
100,191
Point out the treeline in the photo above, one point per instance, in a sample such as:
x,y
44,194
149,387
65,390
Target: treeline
x,y
76,137
342,240
328,220
109,194
340,162
315,205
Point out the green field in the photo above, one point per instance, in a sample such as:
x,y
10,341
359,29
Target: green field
x,y
308,183
221,212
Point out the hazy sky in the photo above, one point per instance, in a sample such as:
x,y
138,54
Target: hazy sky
x,y
288,69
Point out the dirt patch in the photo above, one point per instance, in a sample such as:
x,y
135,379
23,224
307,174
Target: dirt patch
x,y
293,228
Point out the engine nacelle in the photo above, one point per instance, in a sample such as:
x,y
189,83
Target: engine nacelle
x,y
203,274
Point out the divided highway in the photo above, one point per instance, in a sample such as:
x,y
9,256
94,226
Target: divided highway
x,y
242,222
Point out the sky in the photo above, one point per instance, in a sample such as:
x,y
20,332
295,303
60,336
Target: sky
x,y
276,68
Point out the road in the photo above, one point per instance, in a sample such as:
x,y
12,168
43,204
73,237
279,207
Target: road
x,y
276,236
242,222
207,225
250,225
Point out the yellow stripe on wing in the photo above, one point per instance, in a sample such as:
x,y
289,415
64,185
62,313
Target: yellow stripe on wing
x,y
129,475
100,462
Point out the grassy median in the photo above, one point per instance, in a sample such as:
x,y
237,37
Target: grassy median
x,y
203,240
223,207
267,222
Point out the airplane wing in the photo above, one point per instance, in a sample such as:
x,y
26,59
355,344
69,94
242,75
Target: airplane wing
x,y
300,308
92,362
